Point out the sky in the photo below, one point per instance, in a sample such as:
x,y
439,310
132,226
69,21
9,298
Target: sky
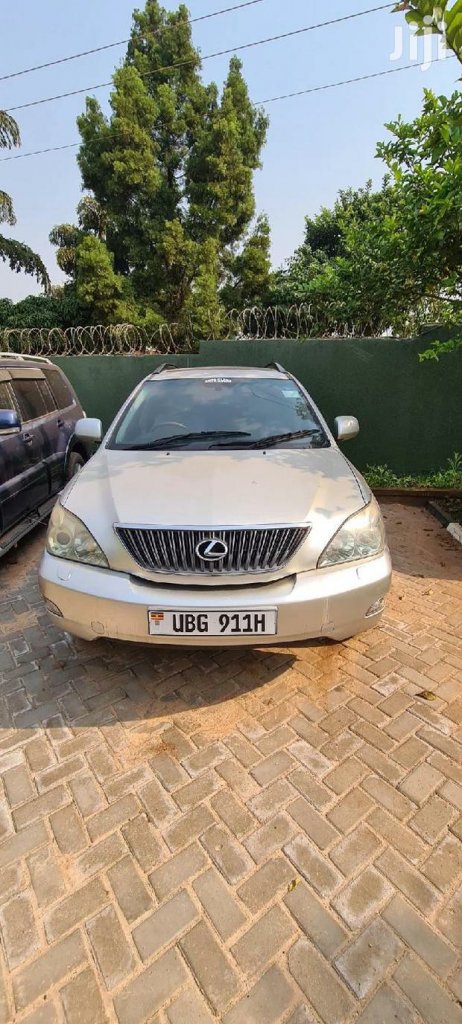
x,y
317,144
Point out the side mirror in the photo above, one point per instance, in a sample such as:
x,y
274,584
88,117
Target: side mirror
x,y
89,430
346,428
9,421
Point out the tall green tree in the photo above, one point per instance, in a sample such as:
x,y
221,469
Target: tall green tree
x,y
18,256
249,272
172,167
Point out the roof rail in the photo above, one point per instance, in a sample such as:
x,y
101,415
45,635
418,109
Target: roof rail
x,y
162,367
23,358
275,366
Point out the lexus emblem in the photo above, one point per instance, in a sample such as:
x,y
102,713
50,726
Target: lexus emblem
x,y
212,550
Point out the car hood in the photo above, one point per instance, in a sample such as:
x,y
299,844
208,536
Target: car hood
x,y
214,489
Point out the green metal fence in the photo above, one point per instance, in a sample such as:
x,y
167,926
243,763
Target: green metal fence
x,y
410,412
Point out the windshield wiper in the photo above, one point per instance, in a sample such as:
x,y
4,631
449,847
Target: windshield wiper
x,y
176,439
269,442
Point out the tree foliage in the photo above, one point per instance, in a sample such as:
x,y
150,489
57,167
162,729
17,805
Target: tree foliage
x,y
168,176
443,18
18,255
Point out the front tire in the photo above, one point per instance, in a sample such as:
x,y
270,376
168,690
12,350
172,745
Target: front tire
x,y
75,463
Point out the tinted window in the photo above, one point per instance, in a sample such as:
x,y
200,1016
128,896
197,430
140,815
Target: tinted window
x,y
6,397
60,388
229,412
30,399
46,395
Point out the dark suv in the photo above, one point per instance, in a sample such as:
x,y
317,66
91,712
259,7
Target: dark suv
x,y
38,413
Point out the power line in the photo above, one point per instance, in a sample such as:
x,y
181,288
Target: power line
x,y
261,103
122,42
209,56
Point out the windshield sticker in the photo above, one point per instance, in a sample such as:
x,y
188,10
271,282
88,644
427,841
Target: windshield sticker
x,y
218,380
291,393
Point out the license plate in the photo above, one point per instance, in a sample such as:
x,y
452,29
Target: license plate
x,y
216,623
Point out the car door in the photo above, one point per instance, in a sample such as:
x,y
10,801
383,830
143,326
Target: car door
x,y
34,413
67,412
14,465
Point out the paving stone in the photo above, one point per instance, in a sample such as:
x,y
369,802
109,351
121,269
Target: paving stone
x,y
346,776
269,838
189,827
177,870
142,841
410,882
18,786
316,762
101,855
19,931
314,791
112,817
348,811
450,920
265,883
130,891
399,837
68,830
265,1003
22,843
444,866
36,978
217,979
112,950
189,1007
369,957
426,995
260,944
219,903
195,792
362,898
388,796
421,783
270,800
321,985
387,1006
164,925
40,807
315,921
88,796
235,816
81,999
433,818
356,849
314,866
46,876
414,931
143,996
272,767
75,908
228,855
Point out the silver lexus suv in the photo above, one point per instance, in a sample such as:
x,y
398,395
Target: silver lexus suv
x,y
217,510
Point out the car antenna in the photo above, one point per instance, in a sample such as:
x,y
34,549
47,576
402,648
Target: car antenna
x,y
164,366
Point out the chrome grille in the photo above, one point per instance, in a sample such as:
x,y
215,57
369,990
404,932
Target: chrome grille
x,y
258,550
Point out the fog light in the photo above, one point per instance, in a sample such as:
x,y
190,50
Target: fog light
x,y
376,608
53,608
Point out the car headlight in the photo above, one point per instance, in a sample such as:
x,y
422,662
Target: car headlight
x,y
361,536
67,537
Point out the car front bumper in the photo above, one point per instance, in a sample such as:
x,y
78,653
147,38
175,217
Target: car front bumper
x,y
335,602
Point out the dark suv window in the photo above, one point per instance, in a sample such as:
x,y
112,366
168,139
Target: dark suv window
x,y
60,388
30,399
6,397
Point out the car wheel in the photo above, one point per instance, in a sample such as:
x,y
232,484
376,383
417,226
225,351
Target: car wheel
x,y
75,464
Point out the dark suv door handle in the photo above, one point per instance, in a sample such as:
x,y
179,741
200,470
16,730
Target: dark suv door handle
x,y
28,438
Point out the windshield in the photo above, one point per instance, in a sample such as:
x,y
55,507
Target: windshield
x,y
218,413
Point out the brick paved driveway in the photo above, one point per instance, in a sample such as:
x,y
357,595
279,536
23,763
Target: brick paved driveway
x,y
250,837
